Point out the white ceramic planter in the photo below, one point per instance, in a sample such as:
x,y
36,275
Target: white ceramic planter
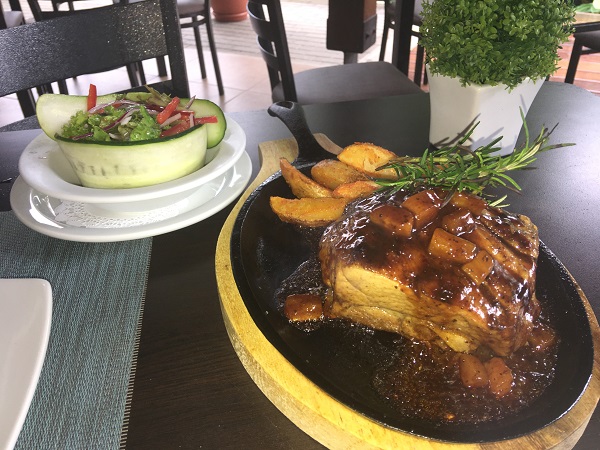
x,y
455,109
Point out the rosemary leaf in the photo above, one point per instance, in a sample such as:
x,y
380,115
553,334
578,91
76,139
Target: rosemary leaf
x,y
456,168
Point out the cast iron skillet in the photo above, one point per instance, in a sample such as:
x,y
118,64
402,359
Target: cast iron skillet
x,y
265,251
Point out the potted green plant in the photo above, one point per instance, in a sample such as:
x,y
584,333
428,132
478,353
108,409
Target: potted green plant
x,y
482,51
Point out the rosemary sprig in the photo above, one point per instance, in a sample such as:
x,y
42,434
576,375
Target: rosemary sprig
x,y
457,168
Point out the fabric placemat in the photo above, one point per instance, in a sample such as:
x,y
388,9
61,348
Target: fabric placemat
x,y
98,293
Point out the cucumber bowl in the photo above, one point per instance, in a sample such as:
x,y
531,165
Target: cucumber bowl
x,y
129,164
133,177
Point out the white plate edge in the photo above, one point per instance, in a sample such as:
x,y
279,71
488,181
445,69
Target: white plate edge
x,y
45,300
188,218
236,140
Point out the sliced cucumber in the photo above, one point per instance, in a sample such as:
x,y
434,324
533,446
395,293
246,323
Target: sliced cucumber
x,y
55,110
215,131
98,165
120,165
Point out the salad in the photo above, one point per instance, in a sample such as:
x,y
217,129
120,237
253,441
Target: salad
x,y
136,116
130,140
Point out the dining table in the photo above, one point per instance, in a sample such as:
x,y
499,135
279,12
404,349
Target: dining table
x,y
187,388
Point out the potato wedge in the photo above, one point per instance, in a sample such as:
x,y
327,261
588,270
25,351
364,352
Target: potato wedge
x,y
356,189
331,173
367,158
301,185
308,212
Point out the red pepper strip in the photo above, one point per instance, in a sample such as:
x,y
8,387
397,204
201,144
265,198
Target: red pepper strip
x,y
181,126
166,113
206,119
92,97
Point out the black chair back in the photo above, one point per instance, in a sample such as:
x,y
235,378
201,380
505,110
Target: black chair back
x,y
40,10
273,45
92,41
2,21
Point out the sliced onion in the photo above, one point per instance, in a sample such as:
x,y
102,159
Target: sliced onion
x,y
189,104
170,120
99,107
114,102
127,116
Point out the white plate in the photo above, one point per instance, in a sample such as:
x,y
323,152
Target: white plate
x,y
44,167
77,221
25,316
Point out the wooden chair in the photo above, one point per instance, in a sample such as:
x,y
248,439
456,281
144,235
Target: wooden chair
x,y
345,82
65,47
585,43
389,23
198,11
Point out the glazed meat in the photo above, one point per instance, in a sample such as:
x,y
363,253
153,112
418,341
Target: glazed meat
x,y
448,269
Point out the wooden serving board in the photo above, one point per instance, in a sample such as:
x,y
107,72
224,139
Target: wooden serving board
x,y
318,414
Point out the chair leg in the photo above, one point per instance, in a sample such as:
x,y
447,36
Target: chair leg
x,y
215,58
196,26
62,86
162,66
132,73
27,102
384,37
140,68
573,62
419,64
45,89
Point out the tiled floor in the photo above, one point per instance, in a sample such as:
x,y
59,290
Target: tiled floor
x,y
244,73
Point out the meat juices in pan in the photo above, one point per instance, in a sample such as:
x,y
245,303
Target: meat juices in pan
x,y
455,278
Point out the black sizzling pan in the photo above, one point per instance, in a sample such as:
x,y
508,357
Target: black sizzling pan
x,y
265,251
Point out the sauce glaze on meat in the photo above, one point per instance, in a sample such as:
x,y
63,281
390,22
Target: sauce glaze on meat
x,y
453,277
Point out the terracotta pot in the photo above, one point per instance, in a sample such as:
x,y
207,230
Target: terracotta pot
x,y
229,10
455,109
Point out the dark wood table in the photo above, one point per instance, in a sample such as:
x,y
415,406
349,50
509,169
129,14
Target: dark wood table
x,y
191,391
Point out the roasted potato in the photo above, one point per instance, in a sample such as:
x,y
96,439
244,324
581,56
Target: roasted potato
x,y
301,185
356,189
367,158
309,212
331,173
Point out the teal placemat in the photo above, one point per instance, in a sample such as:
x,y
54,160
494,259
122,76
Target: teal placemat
x,y
98,292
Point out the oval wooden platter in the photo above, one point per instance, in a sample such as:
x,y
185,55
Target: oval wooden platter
x,y
323,417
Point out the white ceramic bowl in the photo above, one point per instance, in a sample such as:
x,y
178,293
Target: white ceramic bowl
x,y
44,167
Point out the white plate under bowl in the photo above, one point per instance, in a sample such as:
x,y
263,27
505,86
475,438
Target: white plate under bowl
x,y
44,168
84,222
25,316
